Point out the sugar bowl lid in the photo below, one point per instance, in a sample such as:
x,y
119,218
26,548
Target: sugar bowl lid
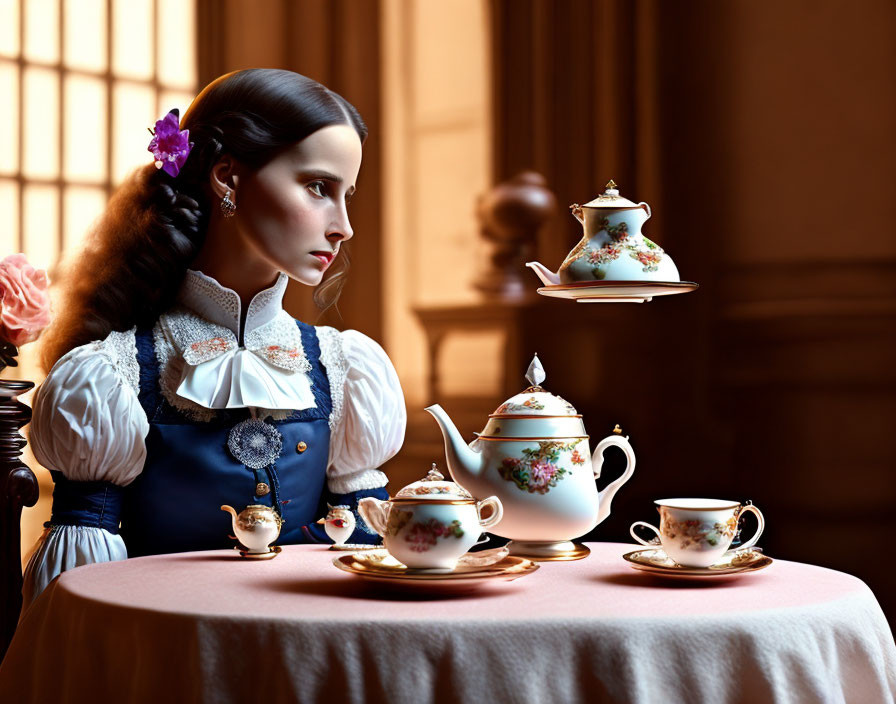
x,y
433,487
610,198
535,401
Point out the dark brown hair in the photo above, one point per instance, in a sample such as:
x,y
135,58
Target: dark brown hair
x,y
136,258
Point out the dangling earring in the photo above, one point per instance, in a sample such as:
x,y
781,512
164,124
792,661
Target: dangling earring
x,y
228,207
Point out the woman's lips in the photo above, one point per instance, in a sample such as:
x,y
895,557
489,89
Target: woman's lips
x,y
324,257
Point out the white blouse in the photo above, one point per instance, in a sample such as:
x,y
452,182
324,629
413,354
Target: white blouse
x,y
88,423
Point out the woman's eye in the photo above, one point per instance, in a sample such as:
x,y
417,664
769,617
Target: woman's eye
x,y
318,188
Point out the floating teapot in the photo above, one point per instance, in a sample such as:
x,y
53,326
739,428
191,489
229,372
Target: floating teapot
x,y
256,527
612,247
533,455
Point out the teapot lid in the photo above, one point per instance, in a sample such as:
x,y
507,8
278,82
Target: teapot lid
x,y
535,401
610,198
433,487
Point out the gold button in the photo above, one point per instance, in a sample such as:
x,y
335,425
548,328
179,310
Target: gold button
x,y
301,447
262,489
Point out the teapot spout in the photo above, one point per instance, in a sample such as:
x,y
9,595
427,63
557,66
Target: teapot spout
x,y
548,277
464,464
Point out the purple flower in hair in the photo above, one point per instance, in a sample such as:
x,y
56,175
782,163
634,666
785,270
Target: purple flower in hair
x,y
170,146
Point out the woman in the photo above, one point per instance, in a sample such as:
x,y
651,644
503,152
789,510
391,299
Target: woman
x,y
178,382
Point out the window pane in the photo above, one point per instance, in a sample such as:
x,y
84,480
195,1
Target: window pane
x,y
133,111
9,217
42,30
170,99
41,123
9,27
86,128
41,221
9,118
81,208
176,44
85,34
132,38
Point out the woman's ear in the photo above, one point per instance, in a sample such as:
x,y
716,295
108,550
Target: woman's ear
x,y
223,177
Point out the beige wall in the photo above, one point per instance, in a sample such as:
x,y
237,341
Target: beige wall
x,y
436,121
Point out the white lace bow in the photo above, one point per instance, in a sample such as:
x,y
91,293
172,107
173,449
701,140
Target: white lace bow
x,y
270,371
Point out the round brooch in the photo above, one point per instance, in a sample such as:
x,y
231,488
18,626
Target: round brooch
x,y
255,443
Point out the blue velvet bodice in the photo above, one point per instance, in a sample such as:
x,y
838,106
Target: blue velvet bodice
x,y
174,505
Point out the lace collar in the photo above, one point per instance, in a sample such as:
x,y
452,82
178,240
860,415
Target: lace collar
x,y
269,370
222,306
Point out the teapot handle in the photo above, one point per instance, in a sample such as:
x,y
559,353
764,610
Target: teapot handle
x,y
605,497
646,207
497,511
373,512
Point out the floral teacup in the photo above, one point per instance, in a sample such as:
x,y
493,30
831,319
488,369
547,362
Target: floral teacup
x,y
697,532
431,523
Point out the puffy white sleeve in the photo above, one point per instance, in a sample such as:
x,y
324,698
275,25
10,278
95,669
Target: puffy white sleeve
x,y
88,424
369,417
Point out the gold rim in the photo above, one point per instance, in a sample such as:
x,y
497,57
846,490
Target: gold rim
x,y
414,500
510,415
541,439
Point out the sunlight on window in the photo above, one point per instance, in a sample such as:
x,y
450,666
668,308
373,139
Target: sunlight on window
x,y
132,55
42,30
170,99
9,217
41,221
85,128
9,27
9,118
41,123
175,43
81,208
133,111
85,34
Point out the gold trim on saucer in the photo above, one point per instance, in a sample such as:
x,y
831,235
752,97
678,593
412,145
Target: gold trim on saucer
x,y
655,561
273,552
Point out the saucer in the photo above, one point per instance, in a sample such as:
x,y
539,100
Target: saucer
x,y
616,291
734,562
473,570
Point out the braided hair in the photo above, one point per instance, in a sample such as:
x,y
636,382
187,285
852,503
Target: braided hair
x,y
137,256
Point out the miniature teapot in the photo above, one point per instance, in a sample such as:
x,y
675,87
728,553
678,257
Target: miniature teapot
x,y
533,454
429,524
612,247
256,527
339,524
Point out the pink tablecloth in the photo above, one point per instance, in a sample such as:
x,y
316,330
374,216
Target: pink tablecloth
x,y
210,627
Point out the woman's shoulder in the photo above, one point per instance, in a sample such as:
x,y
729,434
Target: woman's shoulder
x,y
113,356
353,347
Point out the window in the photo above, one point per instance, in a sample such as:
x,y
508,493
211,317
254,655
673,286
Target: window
x,y
81,80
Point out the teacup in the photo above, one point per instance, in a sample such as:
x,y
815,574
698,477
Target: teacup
x,y
697,532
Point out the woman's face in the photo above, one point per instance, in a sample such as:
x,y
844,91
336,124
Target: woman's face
x,y
293,211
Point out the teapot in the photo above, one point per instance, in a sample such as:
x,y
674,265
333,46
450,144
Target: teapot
x,y
612,247
256,527
429,524
533,454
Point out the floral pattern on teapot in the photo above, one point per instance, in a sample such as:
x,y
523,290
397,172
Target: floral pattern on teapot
x,y
537,471
424,535
649,256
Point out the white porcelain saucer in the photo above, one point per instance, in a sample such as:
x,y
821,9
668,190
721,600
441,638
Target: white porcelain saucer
x,y
473,570
616,291
734,562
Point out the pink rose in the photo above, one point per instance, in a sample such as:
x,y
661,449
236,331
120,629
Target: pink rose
x,y
24,300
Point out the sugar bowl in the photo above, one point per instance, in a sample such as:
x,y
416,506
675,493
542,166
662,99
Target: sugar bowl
x,y
429,524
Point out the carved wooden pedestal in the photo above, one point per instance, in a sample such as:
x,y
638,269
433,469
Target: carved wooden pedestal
x,y
18,488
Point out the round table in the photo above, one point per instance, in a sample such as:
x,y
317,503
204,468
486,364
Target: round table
x,y
212,627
